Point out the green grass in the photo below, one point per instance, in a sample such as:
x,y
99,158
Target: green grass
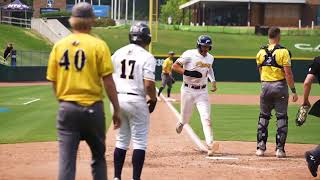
x,y
239,123
224,44
32,122
22,39
242,88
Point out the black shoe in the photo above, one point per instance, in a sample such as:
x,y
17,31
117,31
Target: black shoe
x,y
312,164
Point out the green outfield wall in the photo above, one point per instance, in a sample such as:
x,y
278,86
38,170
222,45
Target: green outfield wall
x,y
226,69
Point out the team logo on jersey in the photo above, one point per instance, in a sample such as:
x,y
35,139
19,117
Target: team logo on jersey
x,y
203,65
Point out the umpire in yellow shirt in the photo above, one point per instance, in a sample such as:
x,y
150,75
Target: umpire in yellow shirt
x,y
166,75
274,63
77,67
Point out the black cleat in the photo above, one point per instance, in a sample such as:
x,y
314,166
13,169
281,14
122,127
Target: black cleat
x,y
312,164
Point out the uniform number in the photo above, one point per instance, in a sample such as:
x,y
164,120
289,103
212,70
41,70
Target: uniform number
x,y
124,66
79,60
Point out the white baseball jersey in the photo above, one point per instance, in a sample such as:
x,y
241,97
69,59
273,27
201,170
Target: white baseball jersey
x,y
192,60
132,64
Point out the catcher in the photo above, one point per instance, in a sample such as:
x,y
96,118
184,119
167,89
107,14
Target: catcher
x,y
166,76
313,156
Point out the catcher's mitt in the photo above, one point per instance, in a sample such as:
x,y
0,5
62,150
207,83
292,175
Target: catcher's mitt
x,y
302,115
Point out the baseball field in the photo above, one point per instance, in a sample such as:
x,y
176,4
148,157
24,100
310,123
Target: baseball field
x,y
29,143
29,146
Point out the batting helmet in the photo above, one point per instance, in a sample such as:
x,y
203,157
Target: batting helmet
x,y
140,34
204,40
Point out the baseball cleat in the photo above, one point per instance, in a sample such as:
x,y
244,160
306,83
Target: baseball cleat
x,y
213,148
312,164
116,178
280,153
260,152
179,127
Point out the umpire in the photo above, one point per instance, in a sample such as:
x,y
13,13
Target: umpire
x,y
274,63
77,67
166,75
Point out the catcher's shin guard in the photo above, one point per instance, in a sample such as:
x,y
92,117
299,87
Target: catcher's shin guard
x,y
262,133
282,131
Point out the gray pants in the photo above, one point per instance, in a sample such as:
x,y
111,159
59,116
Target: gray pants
x,y
75,123
275,96
166,80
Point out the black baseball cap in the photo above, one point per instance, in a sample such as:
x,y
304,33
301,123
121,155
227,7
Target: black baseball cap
x,y
82,10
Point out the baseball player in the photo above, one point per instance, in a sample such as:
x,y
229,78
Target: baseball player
x,y
135,79
77,67
274,65
313,156
196,67
166,75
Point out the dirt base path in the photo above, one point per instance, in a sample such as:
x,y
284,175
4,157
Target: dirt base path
x,y
237,99
169,157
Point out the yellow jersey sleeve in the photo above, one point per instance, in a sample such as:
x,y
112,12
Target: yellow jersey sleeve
x,y
105,66
52,66
286,60
259,60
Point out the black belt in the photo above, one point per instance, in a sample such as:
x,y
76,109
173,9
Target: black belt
x,y
195,87
134,94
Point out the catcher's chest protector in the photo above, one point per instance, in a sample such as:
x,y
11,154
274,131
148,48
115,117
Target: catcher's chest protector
x,y
269,59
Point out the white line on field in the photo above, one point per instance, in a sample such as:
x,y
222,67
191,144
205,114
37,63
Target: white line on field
x,y
186,127
222,158
31,101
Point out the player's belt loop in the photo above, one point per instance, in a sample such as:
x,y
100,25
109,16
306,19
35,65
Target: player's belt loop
x,y
195,87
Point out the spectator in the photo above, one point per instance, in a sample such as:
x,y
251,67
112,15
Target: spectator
x,y
7,51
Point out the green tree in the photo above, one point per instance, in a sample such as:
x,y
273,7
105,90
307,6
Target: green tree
x,y
171,8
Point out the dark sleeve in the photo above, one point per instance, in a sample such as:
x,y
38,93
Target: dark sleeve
x,y
314,68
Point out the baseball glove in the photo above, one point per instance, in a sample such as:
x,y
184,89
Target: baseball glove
x,y
302,115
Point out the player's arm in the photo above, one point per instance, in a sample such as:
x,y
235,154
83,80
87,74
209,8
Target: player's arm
x,y
105,70
307,88
314,70
212,80
289,75
258,61
149,70
111,92
178,67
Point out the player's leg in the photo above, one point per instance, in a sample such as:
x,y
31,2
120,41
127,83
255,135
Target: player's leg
x,y
281,108
69,139
122,140
266,106
163,83
187,102
204,109
169,84
313,160
139,124
94,134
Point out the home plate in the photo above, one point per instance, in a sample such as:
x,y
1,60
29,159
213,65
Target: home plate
x,y
222,158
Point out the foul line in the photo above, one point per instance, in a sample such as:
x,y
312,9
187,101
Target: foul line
x,y
31,101
186,127
222,158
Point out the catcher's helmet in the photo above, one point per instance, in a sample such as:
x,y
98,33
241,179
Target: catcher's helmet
x,y
204,40
140,34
